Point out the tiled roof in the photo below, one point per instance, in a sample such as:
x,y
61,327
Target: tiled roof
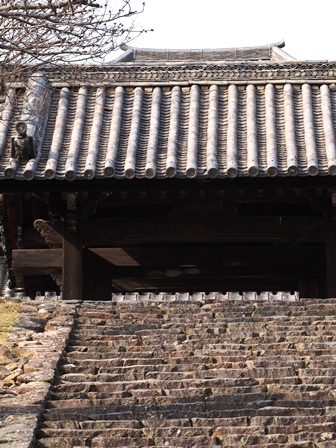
x,y
271,52
199,130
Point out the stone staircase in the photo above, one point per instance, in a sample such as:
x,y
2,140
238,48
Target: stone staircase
x,y
196,374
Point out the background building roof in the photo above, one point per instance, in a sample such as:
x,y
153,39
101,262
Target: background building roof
x,y
271,52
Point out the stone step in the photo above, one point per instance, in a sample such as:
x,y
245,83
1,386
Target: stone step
x,y
194,410
182,352
182,372
93,393
198,340
91,429
166,373
186,357
146,369
228,350
135,413
314,372
274,410
89,433
296,428
305,396
264,440
246,329
185,442
107,424
249,329
233,317
256,315
96,390
260,421
227,401
80,380
96,442
306,444
241,343
151,433
175,362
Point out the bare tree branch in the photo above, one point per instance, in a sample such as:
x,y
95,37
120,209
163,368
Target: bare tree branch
x,y
64,31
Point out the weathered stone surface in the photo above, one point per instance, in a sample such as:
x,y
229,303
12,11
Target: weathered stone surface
x,y
13,376
55,322
37,365
29,387
28,361
4,372
30,323
6,354
17,431
46,375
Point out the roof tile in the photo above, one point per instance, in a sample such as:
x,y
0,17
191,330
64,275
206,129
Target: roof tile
x,y
193,131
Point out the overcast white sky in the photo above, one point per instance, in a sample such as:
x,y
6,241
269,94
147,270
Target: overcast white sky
x,y
308,27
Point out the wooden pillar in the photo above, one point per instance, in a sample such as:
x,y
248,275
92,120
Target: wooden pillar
x,y
72,266
331,259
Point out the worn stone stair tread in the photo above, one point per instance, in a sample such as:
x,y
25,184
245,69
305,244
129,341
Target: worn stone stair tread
x,y
96,442
142,374
193,412
89,433
154,383
120,360
158,400
287,421
269,411
151,433
93,392
186,442
295,392
117,366
91,424
136,424
228,401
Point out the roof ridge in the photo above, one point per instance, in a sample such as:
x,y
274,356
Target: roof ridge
x,y
279,44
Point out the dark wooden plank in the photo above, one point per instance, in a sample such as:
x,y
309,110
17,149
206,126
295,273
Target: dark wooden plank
x,y
219,255
37,261
119,232
14,216
49,261
309,182
108,232
331,260
208,272
97,285
72,266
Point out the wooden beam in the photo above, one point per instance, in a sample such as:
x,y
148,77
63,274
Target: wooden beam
x,y
331,260
277,229
166,268
208,272
49,261
37,261
72,266
266,183
219,255
126,231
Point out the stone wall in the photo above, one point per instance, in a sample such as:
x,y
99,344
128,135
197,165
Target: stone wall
x,y
27,364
